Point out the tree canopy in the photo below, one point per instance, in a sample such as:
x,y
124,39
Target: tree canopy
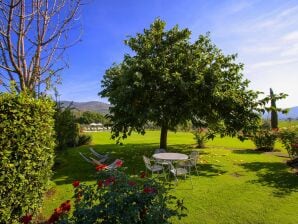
x,y
169,80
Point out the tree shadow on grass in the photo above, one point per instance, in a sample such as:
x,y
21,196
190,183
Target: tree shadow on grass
x,y
71,166
246,151
210,170
275,175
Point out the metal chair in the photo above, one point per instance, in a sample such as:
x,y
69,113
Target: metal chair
x,y
153,167
114,165
191,162
159,151
90,159
102,158
179,171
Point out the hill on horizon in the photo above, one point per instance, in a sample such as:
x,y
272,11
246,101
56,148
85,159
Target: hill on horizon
x,y
96,106
293,113
93,106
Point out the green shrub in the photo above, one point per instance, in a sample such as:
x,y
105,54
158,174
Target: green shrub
x,y
289,138
264,139
116,198
66,127
201,137
84,139
26,154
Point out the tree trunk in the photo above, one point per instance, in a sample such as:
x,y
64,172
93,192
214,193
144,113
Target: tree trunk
x,y
163,137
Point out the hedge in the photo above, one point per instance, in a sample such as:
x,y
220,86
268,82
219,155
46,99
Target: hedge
x,y
26,154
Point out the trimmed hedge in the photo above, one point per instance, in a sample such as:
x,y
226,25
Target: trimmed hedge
x,y
26,154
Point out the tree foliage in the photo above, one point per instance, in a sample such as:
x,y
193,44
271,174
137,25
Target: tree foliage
x,y
169,80
89,117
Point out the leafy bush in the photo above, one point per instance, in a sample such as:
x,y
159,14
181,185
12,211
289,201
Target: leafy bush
x,y
289,138
116,198
264,139
84,139
201,137
67,130
26,152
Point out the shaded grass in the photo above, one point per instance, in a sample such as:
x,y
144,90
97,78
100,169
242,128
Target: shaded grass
x,y
235,183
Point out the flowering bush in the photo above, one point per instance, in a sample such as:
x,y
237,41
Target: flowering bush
x,y
289,138
116,198
264,139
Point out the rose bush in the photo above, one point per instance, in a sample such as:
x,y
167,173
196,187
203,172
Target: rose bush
x,y
289,138
118,198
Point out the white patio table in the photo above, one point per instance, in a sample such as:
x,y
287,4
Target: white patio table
x,y
170,156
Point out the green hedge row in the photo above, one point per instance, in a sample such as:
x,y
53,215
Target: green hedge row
x,y
26,154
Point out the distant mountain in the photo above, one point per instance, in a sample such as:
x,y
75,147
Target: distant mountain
x,y
293,113
94,106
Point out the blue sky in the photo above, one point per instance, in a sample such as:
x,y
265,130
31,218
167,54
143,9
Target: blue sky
x,y
263,33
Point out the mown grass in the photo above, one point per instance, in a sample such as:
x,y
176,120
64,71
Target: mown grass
x,y
235,183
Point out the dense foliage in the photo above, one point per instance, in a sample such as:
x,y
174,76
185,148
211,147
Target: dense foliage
x,y
26,152
116,198
169,81
264,138
68,129
289,138
88,117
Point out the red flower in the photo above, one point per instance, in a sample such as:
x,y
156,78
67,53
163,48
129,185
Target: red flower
x,y
101,167
26,219
109,181
149,190
100,184
76,183
65,206
132,183
119,163
143,174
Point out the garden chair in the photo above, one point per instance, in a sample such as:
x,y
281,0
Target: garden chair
x,y
153,167
90,159
180,171
191,162
159,151
102,158
114,165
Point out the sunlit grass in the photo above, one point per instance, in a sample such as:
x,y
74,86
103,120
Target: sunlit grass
x,y
235,184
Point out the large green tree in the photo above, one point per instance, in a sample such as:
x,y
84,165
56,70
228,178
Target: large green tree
x,y
169,80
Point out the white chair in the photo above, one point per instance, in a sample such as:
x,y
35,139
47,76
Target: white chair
x,y
90,159
179,171
191,162
102,158
159,151
153,167
114,165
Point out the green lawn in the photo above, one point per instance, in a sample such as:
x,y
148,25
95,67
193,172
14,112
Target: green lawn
x,y
235,184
